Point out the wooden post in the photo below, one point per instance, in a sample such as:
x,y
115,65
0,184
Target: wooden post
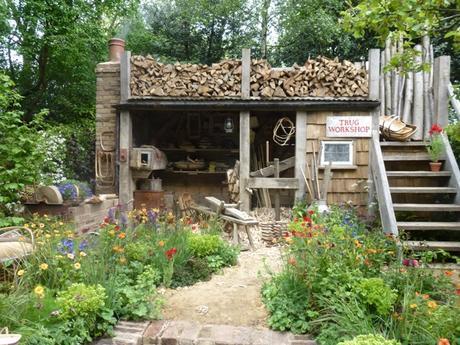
x,y
417,117
126,183
300,151
277,192
427,113
374,84
387,78
245,133
382,85
408,98
441,80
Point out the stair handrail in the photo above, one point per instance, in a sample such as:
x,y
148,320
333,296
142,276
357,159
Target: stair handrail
x,y
453,100
451,165
382,186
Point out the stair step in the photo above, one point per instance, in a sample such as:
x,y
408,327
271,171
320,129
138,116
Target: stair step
x,y
402,143
429,225
427,207
423,190
397,173
409,156
427,245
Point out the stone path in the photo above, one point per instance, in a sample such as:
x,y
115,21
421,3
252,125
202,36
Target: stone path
x,y
231,298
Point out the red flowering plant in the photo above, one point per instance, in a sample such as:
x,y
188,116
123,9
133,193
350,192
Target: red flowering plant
x,y
435,146
168,270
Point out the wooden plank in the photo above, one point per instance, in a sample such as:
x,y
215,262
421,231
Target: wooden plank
x,y
387,79
126,187
300,149
418,173
238,214
441,80
427,207
428,245
402,143
374,73
428,116
245,144
410,156
277,191
216,204
273,183
269,171
423,190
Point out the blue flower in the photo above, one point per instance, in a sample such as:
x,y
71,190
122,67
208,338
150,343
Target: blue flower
x,y
66,246
83,245
152,216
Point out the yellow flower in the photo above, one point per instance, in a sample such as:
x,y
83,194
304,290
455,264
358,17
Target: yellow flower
x,y
77,265
26,225
161,243
33,225
112,232
48,236
56,231
413,306
44,267
82,254
58,256
41,225
61,223
45,215
71,256
122,260
432,305
21,273
358,244
39,291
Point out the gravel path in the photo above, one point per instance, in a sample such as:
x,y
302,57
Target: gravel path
x,y
230,298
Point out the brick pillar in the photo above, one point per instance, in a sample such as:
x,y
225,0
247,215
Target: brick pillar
x,y
107,95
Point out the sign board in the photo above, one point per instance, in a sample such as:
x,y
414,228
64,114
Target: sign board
x,y
349,126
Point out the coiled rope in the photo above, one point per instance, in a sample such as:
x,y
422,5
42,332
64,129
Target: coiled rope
x,y
283,131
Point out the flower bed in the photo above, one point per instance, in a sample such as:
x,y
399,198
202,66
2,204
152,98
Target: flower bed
x,y
341,280
73,289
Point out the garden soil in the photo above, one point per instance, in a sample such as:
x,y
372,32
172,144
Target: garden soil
x,y
230,298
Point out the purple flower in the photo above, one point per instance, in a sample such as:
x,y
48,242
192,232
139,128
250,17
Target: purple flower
x,y
111,215
83,245
66,246
152,216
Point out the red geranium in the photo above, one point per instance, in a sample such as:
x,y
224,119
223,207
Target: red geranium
x,y
435,129
170,253
307,219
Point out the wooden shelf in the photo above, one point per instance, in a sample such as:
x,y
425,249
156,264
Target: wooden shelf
x,y
197,172
198,150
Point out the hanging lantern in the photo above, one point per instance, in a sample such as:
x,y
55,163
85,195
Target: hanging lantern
x,y
228,125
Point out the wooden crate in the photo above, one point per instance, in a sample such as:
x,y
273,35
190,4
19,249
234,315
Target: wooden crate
x,y
148,199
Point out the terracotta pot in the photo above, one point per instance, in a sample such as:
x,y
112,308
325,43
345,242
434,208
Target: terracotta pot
x,y
116,48
435,166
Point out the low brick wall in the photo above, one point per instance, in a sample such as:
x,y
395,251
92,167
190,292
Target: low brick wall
x,y
86,217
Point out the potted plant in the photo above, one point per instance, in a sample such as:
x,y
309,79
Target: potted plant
x,y
435,147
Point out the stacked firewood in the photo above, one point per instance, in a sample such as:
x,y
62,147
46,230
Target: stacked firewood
x,y
318,77
152,78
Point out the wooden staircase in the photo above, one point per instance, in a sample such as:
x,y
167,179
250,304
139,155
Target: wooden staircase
x,y
426,205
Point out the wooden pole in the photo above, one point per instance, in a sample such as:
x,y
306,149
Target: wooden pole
x,y
245,133
394,83
382,84
277,191
417,116
408,98
441,80
427,115
387,78
300,149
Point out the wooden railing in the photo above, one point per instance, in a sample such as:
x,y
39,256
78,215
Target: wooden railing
x,y
451,165
453,100
382,187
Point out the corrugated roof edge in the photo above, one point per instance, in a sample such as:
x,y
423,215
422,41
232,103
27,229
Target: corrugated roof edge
x,y
268,99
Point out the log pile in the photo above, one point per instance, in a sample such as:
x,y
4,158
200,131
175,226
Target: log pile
x,y
152,78
320,77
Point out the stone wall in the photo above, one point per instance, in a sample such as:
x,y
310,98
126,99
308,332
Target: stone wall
x,y
107,96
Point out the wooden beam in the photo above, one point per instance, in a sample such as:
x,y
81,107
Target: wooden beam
x,y
300,152
277,192
441,81
126,183
417,113
273,183
270,170
125,75
245,73
245,144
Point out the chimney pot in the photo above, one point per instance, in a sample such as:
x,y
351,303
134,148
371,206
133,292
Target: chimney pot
x,y
116,48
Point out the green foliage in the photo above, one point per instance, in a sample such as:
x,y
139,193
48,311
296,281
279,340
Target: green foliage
x,y
205,245
80,300
370,339
377,294
346,280
20,155
453,132
435,147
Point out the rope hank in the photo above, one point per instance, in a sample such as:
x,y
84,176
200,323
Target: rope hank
x,y
283,131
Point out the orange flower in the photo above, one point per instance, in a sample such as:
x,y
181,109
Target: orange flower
x,y
432,305
413,306
443,341
161,243
448,273
292,261
425,296
121,235
358,244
